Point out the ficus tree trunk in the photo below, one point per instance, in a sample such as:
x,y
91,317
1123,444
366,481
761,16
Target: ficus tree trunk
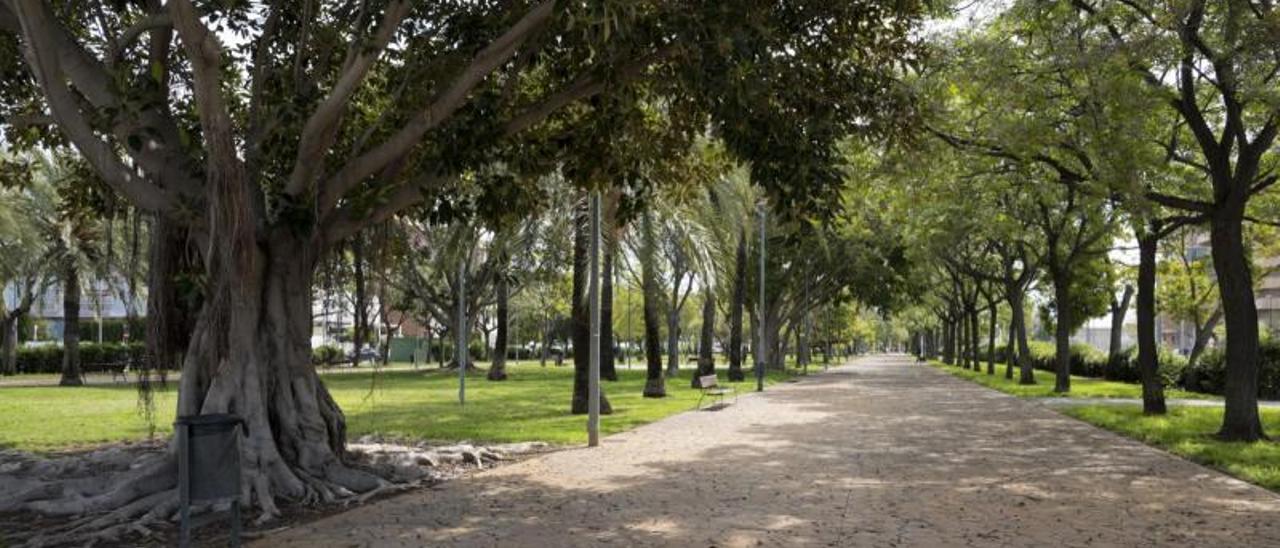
x,y
71,375
1148,355
736,308
706,340
1240,420
250,355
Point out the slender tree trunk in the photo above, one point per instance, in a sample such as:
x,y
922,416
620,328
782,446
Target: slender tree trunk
x,y
608,365
498,368
1119,308
1062,332
1148,356
1011,351
673,323
706,352
949,342
361,319
546,342
991,336
71,375
1240,421
9,345
964,339
581,314
1026,373
655,381
736,308
1203,334
974,339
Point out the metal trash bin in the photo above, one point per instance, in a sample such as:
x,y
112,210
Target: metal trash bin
x,y
209,466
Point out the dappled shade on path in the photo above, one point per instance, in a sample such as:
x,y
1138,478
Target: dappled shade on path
x,y
879,453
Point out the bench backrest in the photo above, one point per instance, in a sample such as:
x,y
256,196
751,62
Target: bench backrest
x,y
707,381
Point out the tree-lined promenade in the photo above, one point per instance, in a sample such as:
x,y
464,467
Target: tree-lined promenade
x,y
740,188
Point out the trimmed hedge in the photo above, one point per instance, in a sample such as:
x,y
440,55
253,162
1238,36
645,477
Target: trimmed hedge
x,y
1087,361
48,358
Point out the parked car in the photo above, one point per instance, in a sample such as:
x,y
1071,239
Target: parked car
x,y
366,355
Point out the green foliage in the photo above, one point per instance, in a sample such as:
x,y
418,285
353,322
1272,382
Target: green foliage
x,y
1092,288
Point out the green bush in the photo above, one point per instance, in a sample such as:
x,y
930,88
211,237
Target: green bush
x,y
1087,361
1210,374
48,358
327,355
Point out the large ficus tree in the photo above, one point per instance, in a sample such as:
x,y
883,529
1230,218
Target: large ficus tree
x,y
273,131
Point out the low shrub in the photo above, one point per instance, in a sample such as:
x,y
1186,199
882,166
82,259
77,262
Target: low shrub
x,y
327,354
1209,375
48,358
1087,361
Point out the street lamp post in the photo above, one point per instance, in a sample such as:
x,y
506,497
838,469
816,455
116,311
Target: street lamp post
x,y
593,292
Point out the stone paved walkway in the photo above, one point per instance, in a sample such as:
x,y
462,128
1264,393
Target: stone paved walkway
x,y
882,452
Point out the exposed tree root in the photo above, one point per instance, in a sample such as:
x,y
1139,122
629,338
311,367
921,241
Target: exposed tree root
x,y
122,494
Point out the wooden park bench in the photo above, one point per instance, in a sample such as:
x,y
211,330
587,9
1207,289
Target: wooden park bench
x,y
711,387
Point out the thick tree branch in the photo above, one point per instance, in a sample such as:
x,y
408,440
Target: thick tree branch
x,y
350,219
582,88
448,101
131,34
1177,202
322,127
42,55
160,154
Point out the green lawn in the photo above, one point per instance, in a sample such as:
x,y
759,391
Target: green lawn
x,y
532,405
1081,387
1188,432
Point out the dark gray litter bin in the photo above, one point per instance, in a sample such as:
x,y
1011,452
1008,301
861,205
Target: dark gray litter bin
x,y
209,466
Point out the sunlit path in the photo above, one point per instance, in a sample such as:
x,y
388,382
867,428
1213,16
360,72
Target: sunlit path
x,y
883,452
